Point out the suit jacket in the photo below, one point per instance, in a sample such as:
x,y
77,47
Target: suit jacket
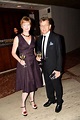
x,y
53,52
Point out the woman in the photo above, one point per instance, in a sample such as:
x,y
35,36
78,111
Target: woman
x,y
28,76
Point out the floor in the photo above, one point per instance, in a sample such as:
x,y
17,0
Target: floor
x,y
10,104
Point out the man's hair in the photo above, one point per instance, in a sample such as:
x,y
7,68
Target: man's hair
x,y
44,18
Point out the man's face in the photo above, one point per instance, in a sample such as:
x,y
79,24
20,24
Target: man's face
x,y
15,30
45,27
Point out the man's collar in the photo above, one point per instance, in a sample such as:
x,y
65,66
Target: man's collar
x,y
47,34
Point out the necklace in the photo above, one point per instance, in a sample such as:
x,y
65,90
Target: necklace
x,y
26,35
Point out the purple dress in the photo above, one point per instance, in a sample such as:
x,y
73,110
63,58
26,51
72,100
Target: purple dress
x,y
28,78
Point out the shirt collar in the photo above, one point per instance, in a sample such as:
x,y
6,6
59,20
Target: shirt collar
x,y
47,34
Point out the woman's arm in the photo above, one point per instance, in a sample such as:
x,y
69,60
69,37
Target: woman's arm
x,y
14,49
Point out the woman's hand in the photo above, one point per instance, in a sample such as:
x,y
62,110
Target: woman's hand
x,y
22,62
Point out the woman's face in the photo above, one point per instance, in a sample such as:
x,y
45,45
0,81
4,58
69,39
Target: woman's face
x,y
26,26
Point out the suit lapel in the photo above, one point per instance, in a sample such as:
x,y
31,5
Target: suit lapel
x,y
48,43
41,37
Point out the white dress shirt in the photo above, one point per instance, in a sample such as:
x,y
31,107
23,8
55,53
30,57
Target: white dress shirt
x,y
45,44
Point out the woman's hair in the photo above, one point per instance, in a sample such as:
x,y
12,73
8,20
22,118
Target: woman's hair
x,y
25,18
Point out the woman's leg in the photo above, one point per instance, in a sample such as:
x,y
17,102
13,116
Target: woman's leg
x,y
32,94
32,100
24,96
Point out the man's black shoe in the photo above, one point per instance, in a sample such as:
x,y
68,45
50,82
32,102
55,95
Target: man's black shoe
x,y
48,103
58,108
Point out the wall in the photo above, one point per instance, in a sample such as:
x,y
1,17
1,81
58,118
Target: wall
x,y
46,12
67,23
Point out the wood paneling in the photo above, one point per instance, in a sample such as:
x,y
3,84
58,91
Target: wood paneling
x,y
6,60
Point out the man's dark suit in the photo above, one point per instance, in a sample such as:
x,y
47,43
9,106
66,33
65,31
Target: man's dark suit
x,y
53,61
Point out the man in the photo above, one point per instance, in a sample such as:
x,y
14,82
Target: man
x,y
52,63
15,32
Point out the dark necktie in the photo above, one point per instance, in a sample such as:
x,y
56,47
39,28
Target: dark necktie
x,y
43,47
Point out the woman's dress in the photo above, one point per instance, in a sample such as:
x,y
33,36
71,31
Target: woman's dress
x,y
28,78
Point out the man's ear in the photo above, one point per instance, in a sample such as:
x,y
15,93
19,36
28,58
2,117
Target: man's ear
x,y
50,26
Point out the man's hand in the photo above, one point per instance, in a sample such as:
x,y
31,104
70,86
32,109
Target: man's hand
x,y
57,73
38,58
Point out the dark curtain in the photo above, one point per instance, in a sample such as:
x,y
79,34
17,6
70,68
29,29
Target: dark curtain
x,y
10,18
